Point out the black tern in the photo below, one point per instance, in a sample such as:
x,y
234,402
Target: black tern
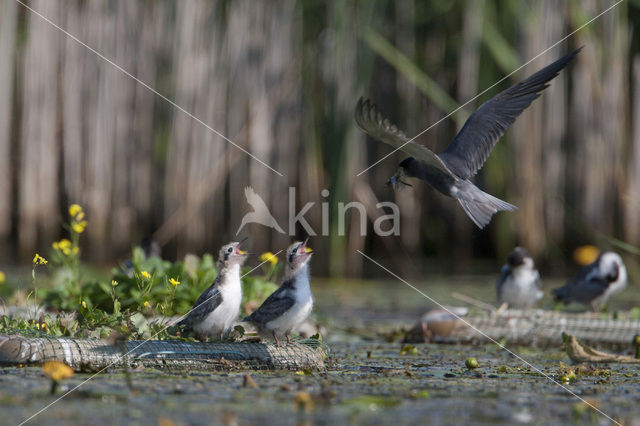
x,y
218,306
519,284
449,172
595,283
290,305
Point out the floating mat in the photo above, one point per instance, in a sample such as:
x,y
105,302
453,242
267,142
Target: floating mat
x,y
538,327
95,354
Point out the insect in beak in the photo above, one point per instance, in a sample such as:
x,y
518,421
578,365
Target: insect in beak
x,y
397,183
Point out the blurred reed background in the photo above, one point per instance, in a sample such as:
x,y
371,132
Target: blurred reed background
x,y
281,79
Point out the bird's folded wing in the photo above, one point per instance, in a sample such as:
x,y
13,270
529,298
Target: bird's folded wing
x,y
372,122
591,289
468,151
504,273
275,305
206,303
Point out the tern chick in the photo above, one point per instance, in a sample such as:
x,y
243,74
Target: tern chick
x,y
218,306
519,284
290,305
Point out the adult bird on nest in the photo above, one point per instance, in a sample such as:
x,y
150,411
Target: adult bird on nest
x,y
449,172
519,284
595,283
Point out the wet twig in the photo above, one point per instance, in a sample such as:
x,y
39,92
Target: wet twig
x,y
579,352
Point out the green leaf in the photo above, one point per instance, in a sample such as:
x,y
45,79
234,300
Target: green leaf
x,y
140,323
138,257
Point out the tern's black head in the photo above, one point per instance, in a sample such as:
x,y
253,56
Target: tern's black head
x,y
405,169
408,163
517,257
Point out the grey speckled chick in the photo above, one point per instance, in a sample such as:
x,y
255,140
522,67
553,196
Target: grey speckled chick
x,y
596,282
290,305
519,283
218,306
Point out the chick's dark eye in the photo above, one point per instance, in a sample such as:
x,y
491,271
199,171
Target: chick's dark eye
x,y
230,249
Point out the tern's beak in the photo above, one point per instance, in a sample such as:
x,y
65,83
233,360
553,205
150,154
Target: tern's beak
x,y
238,251
304,246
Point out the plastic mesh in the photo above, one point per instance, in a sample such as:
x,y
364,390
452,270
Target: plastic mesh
x,y
92,354
545,327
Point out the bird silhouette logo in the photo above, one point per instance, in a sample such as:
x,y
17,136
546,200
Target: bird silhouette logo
x,y
260,213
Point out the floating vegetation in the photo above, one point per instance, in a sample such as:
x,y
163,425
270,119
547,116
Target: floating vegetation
x,y
471,363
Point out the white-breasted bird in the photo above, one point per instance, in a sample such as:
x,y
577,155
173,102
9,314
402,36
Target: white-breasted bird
x,y
290,305
451,170
596,282
519,284
217,307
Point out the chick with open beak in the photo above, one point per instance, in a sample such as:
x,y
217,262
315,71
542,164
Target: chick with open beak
x,y
291,304
217,307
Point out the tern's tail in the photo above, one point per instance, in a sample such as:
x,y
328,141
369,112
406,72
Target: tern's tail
x,y
479,205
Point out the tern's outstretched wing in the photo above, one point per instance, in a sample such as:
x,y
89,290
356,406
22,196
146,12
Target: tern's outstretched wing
x,y
468,151
372,122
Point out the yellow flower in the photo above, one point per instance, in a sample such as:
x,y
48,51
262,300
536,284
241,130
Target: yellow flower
x,y
268,257
84,304
3,277
114,283
56,370
39,260
75,250
174,282
74,209
584,255
80,216
146,304
145,274
64,246
78,227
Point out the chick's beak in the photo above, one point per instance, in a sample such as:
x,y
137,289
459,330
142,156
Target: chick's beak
x,y
237,250
305,248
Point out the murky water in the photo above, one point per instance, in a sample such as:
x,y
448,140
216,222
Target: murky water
x,y
368,380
